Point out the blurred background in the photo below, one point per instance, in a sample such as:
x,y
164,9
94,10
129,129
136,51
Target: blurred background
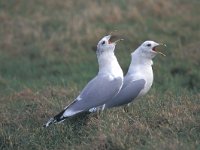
x,y
46,53
50,42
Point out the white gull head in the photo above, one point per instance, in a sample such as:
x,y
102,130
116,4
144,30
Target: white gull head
x,y
107,44
148,49
106,58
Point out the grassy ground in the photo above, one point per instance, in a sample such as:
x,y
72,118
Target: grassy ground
x,y
46,58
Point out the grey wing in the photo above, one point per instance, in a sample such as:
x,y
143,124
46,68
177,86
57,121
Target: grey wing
x,y
130,90
97,92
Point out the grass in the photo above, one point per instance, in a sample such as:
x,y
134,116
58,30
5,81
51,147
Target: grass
x,y
46,58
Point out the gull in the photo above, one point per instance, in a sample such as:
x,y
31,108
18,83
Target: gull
x,y
101,88
139,78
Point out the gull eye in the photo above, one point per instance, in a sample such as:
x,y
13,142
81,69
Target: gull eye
x,y
103,42
149,45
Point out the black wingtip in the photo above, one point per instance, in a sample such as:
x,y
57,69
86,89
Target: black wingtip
x,y
56,119
52,120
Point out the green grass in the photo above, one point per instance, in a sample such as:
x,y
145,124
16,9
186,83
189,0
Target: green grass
x,y
46,58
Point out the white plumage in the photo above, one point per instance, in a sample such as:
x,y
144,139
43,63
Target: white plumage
x,y
139,78
101,88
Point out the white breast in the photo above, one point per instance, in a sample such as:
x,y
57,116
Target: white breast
x,y
147,74
109,67
141,69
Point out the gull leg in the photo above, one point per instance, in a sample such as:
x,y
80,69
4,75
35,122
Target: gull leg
x,y
126,108
100,111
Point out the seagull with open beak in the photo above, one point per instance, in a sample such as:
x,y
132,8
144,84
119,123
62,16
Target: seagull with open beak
x,y
139,78
101,88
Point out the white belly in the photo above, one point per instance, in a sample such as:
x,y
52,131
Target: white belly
x,y
146,74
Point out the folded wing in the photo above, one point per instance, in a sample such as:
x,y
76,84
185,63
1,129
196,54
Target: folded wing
x,y
130,90
97,92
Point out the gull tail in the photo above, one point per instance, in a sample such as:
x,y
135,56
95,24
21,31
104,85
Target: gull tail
x,y
56,119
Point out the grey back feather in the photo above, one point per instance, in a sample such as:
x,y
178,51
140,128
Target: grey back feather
x,y
97,92
130,90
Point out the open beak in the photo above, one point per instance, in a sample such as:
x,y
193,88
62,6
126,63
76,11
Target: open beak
x,y
114,39
156,48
